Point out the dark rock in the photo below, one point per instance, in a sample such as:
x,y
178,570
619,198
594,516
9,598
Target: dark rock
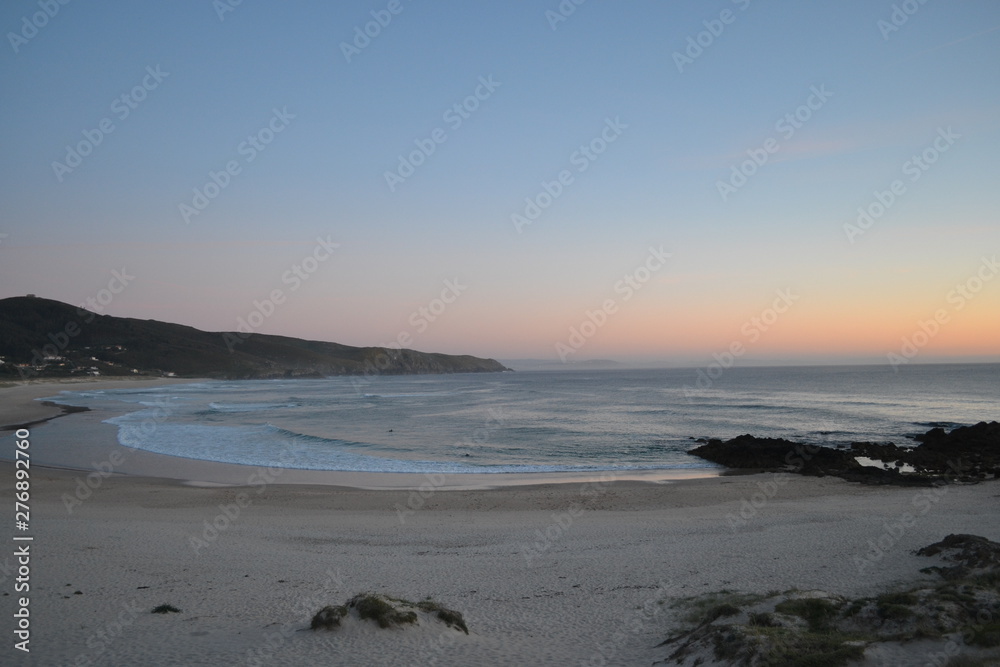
x,y
973,451
776,454
966,454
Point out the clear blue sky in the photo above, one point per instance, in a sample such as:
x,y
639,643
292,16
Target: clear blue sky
x,y
889,95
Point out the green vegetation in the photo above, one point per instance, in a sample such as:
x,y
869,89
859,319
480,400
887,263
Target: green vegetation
x,y
817,612
713,606
789,648
166,609
900,597
722,611
965,661
328,617
116,346
387,612
894,612
854,608
762,620
770,636
986,636
450,617
381,610
803,629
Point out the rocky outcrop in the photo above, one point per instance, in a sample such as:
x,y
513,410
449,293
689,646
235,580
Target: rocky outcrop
x,y
750,453
974,448
968,454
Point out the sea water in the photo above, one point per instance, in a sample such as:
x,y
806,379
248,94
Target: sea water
x,y
538,421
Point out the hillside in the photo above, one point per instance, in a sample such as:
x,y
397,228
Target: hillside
x,y
45,338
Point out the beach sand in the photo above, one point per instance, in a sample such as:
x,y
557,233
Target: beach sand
x,y
18,404
559,574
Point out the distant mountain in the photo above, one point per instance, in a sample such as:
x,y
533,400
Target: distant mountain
x,y
569,365
45,338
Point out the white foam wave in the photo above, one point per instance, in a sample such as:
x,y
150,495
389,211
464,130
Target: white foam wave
x,y
269,446
250,407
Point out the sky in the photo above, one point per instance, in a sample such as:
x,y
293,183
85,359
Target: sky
x,y
652,182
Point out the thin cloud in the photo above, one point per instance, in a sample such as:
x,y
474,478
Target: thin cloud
x,y
946,45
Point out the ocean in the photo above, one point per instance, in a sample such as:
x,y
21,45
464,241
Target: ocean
x,y
538,421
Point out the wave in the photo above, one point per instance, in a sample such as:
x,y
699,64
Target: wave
x,y
250,407
757,406
411,394
274,447
526,423
305,437
944,425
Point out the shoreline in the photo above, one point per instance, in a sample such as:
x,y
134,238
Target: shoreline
x,y
64,410
95,445
18,399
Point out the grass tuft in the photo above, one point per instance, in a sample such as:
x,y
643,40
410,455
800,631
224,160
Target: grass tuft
x,y
371,606
812,649
894,612
906,598
763,620
387,611
966,661
796,629
986,636
816,612
328,617
450,617
166,609
716,605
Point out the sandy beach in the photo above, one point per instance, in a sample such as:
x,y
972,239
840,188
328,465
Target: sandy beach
x,y
561,574
18,404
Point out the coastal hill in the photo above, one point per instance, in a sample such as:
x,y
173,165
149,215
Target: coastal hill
x,y
45,338
568,365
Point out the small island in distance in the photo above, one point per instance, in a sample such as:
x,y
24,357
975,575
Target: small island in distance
x,y
42,338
